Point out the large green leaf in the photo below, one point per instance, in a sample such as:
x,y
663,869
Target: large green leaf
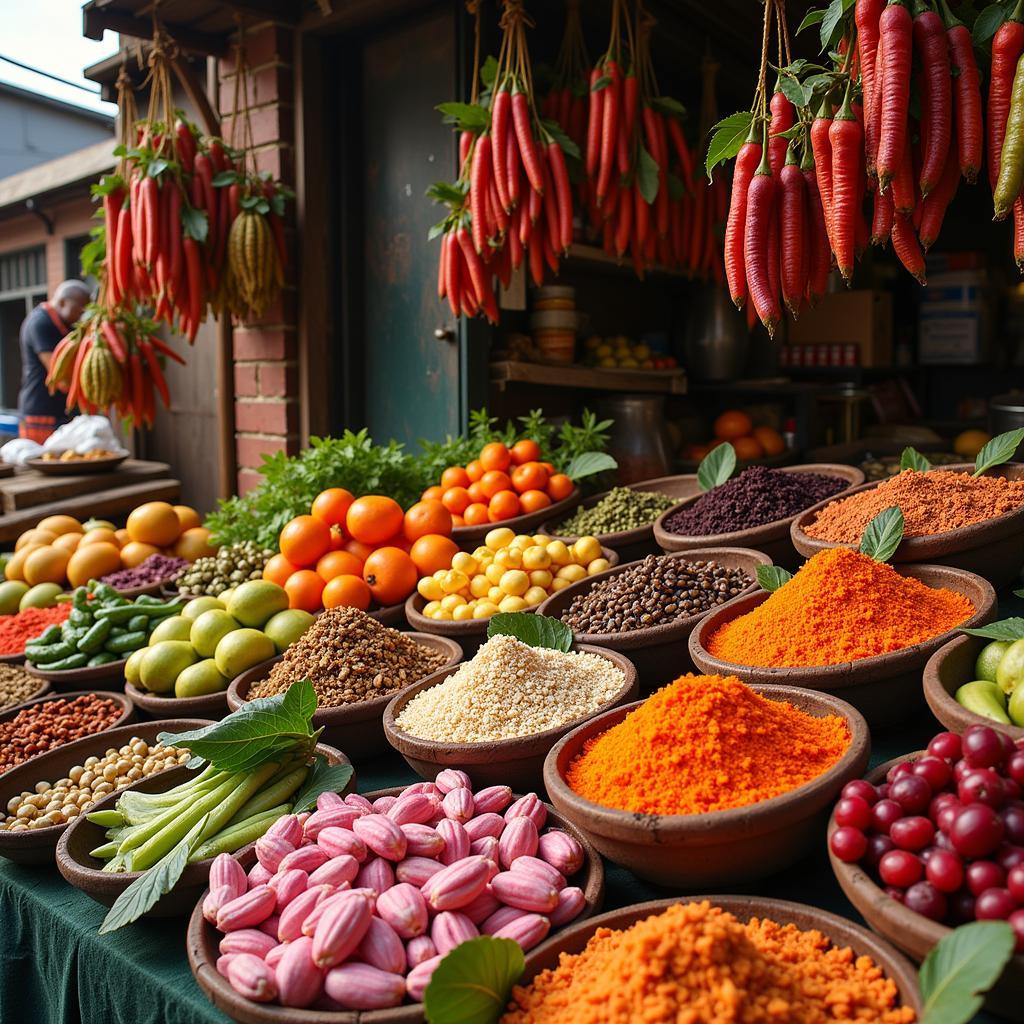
x,y
589,464
716,467
911,458
771,577
882,535
1005,629
472,984
727,137
322,778
987,23
962,968
998,451
532,630
831,23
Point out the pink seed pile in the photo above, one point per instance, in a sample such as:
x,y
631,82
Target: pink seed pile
x,y
353,907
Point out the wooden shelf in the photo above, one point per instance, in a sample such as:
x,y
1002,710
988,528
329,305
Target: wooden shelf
x,y
670,382
583,256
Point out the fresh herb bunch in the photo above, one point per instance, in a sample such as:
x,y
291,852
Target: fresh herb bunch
x,y
355,462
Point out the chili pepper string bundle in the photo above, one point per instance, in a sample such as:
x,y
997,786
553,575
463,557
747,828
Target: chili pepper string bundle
x,y
705,743
841,606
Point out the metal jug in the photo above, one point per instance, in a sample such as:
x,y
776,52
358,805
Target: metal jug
x,y
639,437
716,338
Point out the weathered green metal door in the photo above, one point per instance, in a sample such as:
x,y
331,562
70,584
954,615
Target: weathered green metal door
x,y
411,375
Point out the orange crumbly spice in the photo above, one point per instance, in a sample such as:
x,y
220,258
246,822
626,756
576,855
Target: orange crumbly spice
x,y
932,502
705,743
696,964
841,606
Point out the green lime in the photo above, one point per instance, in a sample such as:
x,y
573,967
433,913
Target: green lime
x,y
988,661
1011,667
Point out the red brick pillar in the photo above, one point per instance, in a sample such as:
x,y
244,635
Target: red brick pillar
x,y
265,351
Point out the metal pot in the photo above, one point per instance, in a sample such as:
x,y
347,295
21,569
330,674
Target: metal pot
x,y
639,436
716,338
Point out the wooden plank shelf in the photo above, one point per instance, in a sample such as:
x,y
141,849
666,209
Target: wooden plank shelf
x,y
594,257
29,487
593,378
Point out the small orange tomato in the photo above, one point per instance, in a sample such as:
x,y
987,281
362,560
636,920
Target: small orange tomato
x,y
304,589
526,450
560,487
533,501
474,470
493,482
455,500
476,492
338,563
278,569
504,505
530,476
330,506
432,493
455,476
476,514
347,591
495,456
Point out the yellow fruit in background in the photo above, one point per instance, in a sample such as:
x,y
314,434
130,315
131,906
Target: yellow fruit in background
x,y
16,564
194,543
535,595
101,535
509,558
512,604
453,581
515,583
452,601
36,536
495,594
154,522
598,565
541,578
500,537
135,553
60,525
969,442
479,585
464,562
608,362
493,573
46,565
522,540
485,609
572,573
560,554
462,614
559,583
188,517
431,607
69,541
585,550
91,561
536,557
429,589
121,537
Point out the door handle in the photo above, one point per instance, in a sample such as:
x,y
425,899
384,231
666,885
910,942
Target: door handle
x,y
444,333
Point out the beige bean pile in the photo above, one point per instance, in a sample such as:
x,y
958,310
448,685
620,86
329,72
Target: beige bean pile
x,y
57,803
16,685
510,690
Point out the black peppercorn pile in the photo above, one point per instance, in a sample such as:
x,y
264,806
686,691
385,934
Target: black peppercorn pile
x,y
757,496
659,590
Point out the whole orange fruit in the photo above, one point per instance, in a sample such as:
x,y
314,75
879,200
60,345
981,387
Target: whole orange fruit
x,y
771,440
493,481
731,424
304,540
748,448
278,569
374,518
433,552
455,500
530,476
525,451
533,501
495,456
455,476
504,505
476,514
304,589
391,575
432,493
332,505
427,517
346,591
338,563
560,487
474,470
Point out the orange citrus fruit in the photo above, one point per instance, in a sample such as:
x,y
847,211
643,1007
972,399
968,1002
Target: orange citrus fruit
x,y
304,540
495,456
474,470
494,481
455,500
560,487
427,517
731,424
525,451
331,506
346,591
391,575
338,563
374,518
504,505
433,552
476,514
304,589
455,476
533,501
278,569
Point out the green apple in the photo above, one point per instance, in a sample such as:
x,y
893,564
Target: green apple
x,y
1011,667
991,654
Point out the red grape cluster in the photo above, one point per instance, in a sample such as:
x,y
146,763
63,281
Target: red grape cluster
x,y
944,834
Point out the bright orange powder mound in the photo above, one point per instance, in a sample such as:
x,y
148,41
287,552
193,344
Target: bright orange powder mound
x,y
696,964
841,606
705,743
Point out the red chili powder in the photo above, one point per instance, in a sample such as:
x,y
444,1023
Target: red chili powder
x,y
18,629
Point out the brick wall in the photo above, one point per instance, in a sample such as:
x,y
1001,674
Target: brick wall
x,y
265,352
70,218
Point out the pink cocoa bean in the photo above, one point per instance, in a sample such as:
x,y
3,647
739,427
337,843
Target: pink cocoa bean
x,y
376,874
363,987
452,778
449,929
250,977
382,948
561,851
422,840
403,907
336,842
571,903
419,950
484,825
456,841
299,980
287,885
417,870
530,806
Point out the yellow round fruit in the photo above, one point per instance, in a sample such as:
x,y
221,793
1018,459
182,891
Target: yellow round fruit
x,y
493,573
522,540
463,613
60,525
188,517
194,543
101,535
515,583
495,594
154,523
453,581
535,595
572,573
15,569
586,549
429,589
91,561
968,443
135,553
69,541
598,565
464,562
479,585
500,537
541,539
442,615
452,601
485,609
431,607
559,583
512,604
482,552
560,554
540,578
509,558
46,565
536,557
37,536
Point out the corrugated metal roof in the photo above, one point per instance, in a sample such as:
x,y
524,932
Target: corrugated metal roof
x,y
83,165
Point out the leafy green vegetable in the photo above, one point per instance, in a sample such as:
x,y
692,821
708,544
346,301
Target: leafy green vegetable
x,y
590,464
913,459
647,176
726,139
533,630
147,889
1005,629
322,778
962,968
999,450
882,535
716,467
771,577
472,984
831,24
255,732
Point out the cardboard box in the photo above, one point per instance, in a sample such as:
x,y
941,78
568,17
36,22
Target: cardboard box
x,y
863,318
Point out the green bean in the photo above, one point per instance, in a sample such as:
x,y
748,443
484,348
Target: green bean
x,y
106,819
235,836
168,813
104,852
278,791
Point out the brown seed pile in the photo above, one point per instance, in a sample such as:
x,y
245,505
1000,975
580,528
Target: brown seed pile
x,y
350,657
16,685
660,589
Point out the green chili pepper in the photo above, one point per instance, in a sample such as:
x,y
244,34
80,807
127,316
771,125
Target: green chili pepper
x,y
72,661
137,622
50,635
43,654
94,639
80,617
127,643
103,658
127,612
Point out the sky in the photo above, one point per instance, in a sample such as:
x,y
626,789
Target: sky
x,y
47,34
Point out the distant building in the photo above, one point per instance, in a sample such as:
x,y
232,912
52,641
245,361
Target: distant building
x,y
35,129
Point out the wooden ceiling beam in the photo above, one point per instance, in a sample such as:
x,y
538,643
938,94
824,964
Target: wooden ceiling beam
x,y
95,20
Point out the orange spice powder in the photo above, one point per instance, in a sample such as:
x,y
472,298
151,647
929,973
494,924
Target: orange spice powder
x,y
705,743
932,502
696,964
841,606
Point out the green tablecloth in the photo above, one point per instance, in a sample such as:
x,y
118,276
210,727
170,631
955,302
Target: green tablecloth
x,y
54,968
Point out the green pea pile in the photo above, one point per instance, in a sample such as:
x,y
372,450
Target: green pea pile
x,y
621,509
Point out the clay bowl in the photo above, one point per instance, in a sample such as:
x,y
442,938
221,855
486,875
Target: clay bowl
x,y
472,633
468,537
37,846
885,688
393,615
12,659
630,544
127,714
212,706
99,677
84,872
518,762
355,728
202,939
659,653
40,691
839,930
694,851
771,538
993,549
908,931
946,671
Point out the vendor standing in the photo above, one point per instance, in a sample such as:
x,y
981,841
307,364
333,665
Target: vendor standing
x,y
40,412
